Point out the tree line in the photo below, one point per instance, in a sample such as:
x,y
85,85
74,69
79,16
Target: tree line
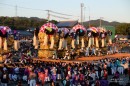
x,y
23,23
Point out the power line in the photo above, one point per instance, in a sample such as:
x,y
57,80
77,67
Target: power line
x,y
60,13
21,7
49,11
7,4
59,16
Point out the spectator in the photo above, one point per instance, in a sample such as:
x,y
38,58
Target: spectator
x,y
32,78
4,79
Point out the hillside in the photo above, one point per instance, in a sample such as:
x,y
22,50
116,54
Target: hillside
x,y
103,22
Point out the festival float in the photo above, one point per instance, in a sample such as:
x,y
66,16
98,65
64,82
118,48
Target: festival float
x,y
103,36
46,38
4,31
63,34
92,34
80,31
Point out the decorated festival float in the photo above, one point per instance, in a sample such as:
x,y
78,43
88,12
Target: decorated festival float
x,y
4,40
78,32
47,37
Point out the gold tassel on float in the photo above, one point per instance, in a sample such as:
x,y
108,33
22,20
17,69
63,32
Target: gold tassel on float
x,y
96,41
16,45
0,42
110,40
34,40
77,40
103,40
36,45
52,42
73,43
5,44
60,43
82,43
89,42
65,44
45,39
92,39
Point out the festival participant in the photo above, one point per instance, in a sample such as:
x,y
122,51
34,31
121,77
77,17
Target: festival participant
x,y
54,56
105,74
16,73
47,77
72,54
8,58
103,82
25,78
32,78
41,76
113,68
54,75
59,73
4,79
87,51
97,83
82,52
67,55
93,51
129,70
93,75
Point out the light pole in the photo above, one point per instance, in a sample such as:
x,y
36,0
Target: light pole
x,y
101,21
82,5
89,16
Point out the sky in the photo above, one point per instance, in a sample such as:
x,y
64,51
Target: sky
x,y
109,10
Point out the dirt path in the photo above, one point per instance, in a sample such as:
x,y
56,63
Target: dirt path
x,y
119,55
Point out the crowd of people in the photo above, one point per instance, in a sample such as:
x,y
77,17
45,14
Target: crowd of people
x,y
40,73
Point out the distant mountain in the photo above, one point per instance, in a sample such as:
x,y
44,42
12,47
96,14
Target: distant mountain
x,y
38,19
103,22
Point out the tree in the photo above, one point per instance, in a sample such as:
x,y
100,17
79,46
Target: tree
x,y
122,28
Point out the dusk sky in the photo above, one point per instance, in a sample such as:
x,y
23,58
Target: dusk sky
x,y
110,10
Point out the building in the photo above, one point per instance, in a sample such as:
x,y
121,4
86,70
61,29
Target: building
x,y
25,34
122,38
67,24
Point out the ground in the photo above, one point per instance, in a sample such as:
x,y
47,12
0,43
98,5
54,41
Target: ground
x,y
80,59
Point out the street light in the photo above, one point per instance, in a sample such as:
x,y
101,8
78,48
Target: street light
x,y
82,5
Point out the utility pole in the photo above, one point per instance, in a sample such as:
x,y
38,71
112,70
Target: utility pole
x,y
89,21
16,11
48,13
82,13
